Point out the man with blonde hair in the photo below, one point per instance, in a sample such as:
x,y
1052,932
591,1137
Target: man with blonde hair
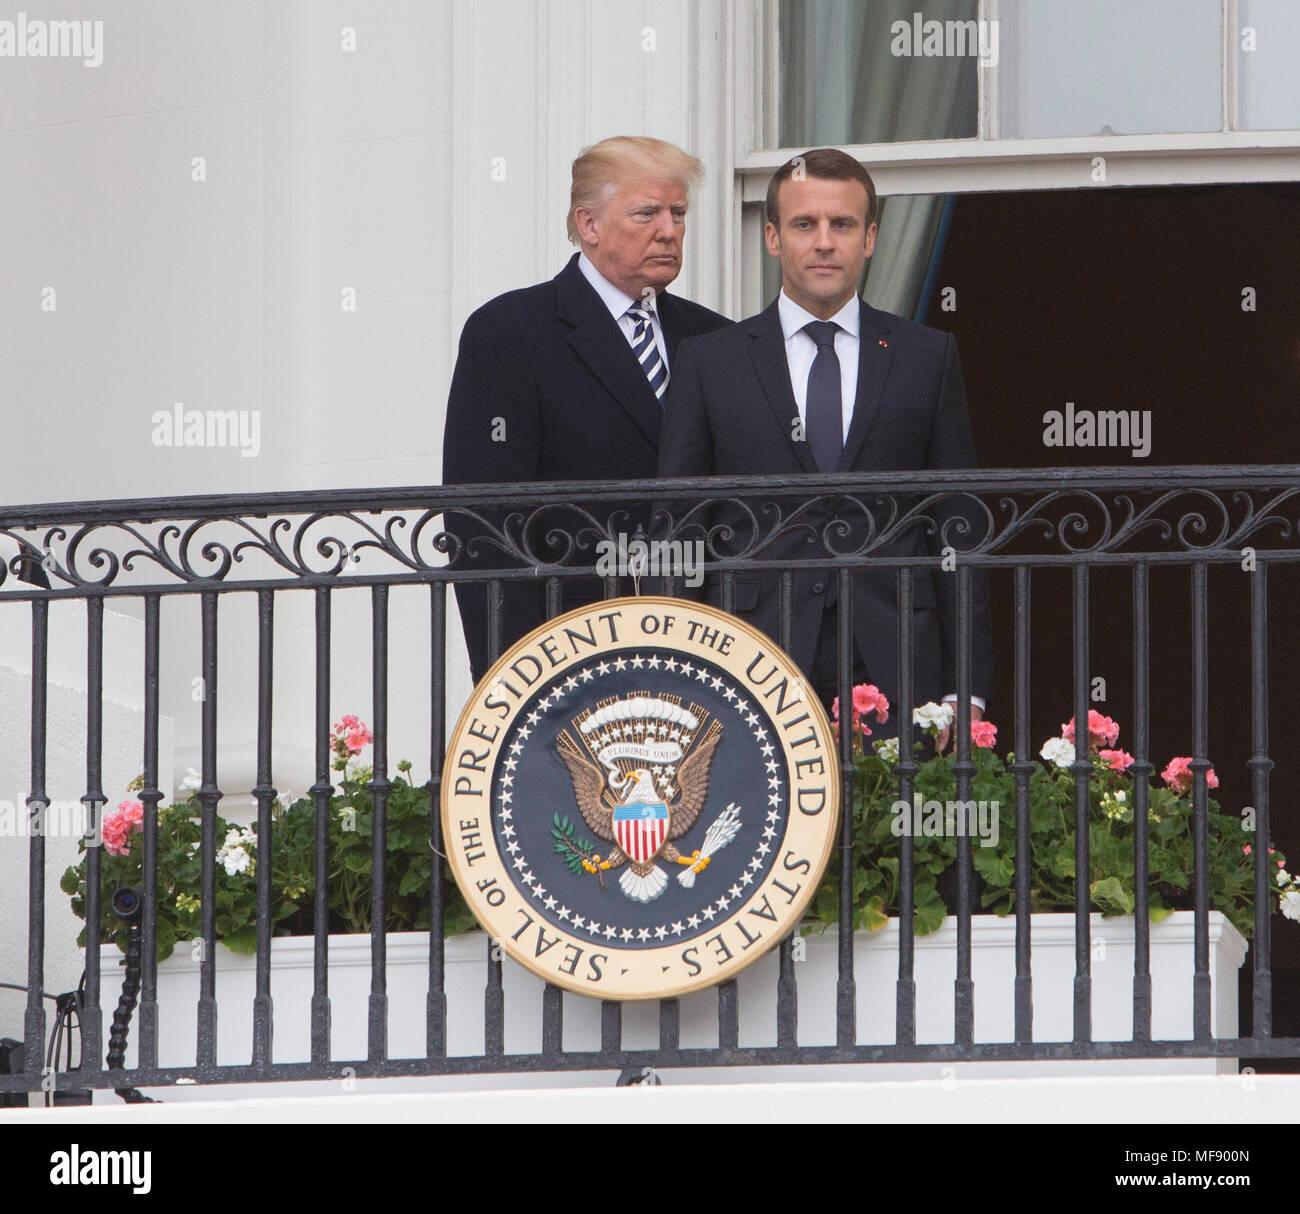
x,y
566,380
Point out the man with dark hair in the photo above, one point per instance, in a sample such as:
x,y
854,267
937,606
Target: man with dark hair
x,y
565,380
821,382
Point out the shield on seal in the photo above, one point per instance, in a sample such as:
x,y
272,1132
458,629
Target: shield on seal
x,y
641,829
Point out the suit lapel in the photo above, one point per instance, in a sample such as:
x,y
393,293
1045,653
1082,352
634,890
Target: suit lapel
x,y
874,359
598,341
767,351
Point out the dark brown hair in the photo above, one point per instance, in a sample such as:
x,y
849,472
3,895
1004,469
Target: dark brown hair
x,y
828,164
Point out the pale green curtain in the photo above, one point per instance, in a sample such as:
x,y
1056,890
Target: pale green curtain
x,y
841,84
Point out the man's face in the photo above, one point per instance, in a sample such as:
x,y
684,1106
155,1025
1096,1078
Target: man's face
x,y
635,238
823,242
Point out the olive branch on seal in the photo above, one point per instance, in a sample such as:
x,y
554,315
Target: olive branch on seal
x,y
574,850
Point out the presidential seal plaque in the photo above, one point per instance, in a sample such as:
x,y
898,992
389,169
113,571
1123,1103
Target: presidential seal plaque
x,y
640,798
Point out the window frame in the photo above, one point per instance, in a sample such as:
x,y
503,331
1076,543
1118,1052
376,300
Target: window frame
x,y
986,163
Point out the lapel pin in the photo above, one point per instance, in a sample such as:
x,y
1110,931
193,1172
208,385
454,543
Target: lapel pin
x,y
884,343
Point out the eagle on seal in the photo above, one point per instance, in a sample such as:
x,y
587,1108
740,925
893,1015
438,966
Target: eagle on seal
x,y
635,797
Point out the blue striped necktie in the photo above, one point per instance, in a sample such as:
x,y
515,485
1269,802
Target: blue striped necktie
x,y
646,350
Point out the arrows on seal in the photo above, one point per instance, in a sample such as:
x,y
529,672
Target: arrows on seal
x,y
721,831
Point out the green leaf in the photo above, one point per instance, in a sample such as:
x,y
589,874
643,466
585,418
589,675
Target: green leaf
x,y
874,916
1111,896
929,916
243,940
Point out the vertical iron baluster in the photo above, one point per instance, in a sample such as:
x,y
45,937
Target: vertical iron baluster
x,y
669,1026
552,1021
611,1029
1082,768
846,997
1200,806
552,996
493,996
435,1033
322,791
150,797
265,795
787,996
37,804
964,769
728,1015
728,996
1141,770
905,990
91,1018
1260,765
92,1055
209,795
379,786
1023,767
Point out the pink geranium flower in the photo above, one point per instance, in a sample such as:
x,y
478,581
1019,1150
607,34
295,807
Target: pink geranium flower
x,y
867,698
1102,731
118,827
350,735
1178,776
1120,760
983,733
357,737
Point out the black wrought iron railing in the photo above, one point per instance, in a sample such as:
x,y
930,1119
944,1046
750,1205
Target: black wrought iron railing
x,y
1018,526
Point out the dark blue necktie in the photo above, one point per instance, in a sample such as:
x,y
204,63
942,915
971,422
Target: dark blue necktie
x,y
646,350
823,410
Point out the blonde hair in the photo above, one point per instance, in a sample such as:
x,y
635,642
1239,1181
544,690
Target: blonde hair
x,y
610,161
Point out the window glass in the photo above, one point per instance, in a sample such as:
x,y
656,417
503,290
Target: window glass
x,y
1109,67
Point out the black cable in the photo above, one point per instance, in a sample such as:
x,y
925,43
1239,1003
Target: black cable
x,y
67,1008
15,986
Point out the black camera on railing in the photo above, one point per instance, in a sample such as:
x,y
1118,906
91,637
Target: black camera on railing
x,y
127,904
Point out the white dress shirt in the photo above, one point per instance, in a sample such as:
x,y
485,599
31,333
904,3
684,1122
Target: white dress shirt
x,y
618,301
801,350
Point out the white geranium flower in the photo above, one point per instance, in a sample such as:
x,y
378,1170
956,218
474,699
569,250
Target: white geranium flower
x,y
887,749
233,854
932,716
1283,877
1291,905
234,860
192,780
1059,751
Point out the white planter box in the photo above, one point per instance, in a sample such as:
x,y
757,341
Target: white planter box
x,y
876,969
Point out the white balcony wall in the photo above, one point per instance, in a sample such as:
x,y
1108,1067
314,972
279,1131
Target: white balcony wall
x,y
206,204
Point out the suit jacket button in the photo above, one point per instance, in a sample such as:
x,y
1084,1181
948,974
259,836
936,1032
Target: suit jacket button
x,y
818,587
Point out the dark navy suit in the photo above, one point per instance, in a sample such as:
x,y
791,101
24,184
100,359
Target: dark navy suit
x,y
731,410
551,362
